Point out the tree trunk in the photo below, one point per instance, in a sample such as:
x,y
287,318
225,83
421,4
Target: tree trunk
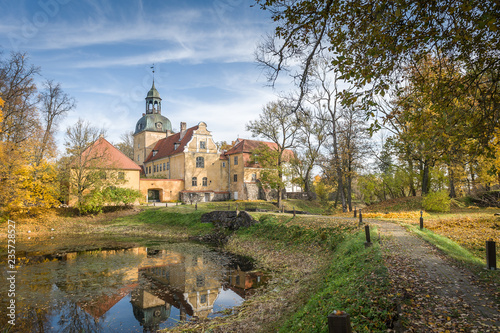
x,y
307,185
336,198
451,177
413,190
349,192
425,179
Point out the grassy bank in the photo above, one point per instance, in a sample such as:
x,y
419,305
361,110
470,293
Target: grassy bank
x,y
317,267
356,282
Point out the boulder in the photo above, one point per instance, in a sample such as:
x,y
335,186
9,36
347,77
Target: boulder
x,y
228,219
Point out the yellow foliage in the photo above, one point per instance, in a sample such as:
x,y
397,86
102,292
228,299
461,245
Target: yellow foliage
x,y
495,146
24,186
396,215
468,232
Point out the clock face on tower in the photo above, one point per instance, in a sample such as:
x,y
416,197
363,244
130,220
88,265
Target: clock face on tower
x,y
159,125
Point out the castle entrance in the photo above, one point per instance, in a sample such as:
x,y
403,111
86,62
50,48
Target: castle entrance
x,y
153,196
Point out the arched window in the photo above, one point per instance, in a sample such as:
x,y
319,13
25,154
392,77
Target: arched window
x,y
194,181
205,181
200,162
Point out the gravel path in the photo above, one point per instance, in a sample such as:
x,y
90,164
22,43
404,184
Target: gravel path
x,y
433,294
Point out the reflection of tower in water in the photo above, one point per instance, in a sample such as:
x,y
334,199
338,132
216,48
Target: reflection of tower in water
x,y
149,310
190,283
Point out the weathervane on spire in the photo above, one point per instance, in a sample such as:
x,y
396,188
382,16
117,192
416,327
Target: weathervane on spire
x,y
153,68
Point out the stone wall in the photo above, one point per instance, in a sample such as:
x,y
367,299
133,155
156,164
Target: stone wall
x,y
231,220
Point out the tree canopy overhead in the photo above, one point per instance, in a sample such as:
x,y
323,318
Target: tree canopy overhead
x,y
373,42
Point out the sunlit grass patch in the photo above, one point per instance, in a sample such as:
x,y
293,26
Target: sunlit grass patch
x,y
356,282
469,232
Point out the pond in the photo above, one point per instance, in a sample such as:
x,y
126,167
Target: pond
x,y
122,288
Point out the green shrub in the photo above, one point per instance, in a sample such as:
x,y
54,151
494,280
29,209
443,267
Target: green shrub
x,y
92,203
437,202
121,196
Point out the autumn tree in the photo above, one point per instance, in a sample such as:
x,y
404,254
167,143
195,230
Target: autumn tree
x,y
88,172
353,145
372,43
325,97
223,145
277,124
126,145
28,175
54,104
19,129
310,142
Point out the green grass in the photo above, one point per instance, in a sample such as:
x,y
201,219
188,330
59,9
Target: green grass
x,y
311,206
242,205
449,247
275,228
357,283
184,219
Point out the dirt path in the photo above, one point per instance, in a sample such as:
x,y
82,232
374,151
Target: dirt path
x,y
433,294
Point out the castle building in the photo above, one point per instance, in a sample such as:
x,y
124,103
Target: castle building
x,y
187,165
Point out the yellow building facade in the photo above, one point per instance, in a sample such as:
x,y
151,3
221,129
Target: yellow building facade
x,y
186,166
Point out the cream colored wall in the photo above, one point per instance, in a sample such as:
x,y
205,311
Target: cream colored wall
x,y
131,180
169,188
239,170
212,167
219,174
144,142
176,170
248,172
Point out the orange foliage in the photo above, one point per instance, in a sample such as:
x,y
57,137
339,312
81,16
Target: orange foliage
x,y
471,233
396,215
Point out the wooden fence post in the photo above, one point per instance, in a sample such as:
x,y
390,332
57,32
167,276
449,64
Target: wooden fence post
x,y
367,234
360,218
339,323
421,220
491,255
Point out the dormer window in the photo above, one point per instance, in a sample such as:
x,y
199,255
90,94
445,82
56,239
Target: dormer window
x,y
155,152
176,145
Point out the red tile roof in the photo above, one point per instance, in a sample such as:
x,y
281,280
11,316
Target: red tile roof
x,y
112,157
165,147
247,146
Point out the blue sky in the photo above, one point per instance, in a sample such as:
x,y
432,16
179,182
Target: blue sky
x,y
101,53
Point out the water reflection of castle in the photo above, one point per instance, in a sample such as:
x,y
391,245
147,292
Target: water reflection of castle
x,y
156,280
190,283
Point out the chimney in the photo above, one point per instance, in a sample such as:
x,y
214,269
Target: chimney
x,y
183,130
